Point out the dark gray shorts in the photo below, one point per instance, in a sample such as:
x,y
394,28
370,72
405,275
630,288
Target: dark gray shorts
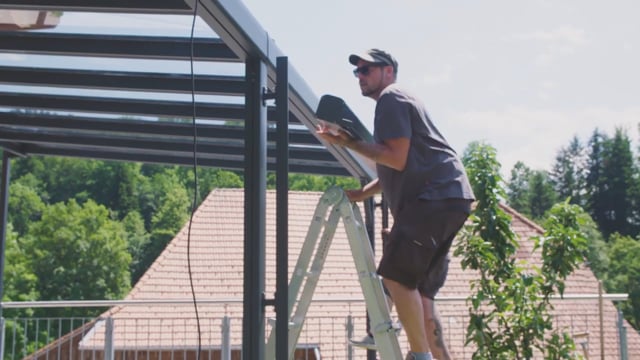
x,y
417,251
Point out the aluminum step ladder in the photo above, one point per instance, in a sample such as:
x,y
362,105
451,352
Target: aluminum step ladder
x,y
382,327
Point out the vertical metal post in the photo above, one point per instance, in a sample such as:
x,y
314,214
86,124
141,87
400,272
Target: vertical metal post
x,y
282,208
601,315
255,187
622,333
370,226
226,339
349,336
2,338
4,206
108,339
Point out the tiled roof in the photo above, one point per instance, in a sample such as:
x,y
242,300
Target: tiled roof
x,y
216,250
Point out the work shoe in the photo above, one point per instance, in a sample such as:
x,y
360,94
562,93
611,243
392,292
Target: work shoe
x,y
423,356
367,342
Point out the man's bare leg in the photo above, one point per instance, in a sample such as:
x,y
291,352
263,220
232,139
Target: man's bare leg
x,y
433,326
409,307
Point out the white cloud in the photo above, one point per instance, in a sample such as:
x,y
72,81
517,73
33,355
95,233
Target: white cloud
x,y
567,34
438,78
560,41
534,136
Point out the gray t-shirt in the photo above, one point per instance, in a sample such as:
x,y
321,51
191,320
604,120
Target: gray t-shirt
x,y
433,170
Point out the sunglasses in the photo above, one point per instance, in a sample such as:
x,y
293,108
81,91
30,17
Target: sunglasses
x,y
365,69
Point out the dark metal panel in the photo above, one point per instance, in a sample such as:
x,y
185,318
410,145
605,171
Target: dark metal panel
x,y
47,122
121,46
153,144
177,109
148,127
126,6
4,205
253,322
124,81
282,210
296,166
137,144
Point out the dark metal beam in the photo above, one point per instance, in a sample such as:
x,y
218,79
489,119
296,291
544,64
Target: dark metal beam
x,y
121,106
296,166
282,210
255,188
176,7
146,127
223,148
120,46
123,80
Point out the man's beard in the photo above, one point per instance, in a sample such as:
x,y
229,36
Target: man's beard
x,y
366,91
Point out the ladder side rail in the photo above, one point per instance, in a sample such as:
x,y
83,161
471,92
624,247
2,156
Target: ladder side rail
x,y
328,199
313,234
311,282
382,327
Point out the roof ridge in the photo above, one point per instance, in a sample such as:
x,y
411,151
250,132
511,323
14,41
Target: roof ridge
x,y
513,212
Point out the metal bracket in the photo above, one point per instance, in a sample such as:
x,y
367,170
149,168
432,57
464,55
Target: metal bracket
x,y
267,94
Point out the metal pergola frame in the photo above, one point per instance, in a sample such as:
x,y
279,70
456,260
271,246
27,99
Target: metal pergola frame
x,y
277,138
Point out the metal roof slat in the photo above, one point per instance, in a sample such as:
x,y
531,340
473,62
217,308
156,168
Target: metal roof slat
x,y
123,80
178,109
175,7
120,46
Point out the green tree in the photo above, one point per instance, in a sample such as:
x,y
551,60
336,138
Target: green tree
x,y
541,194
620,175
518,194
137,241
171,213
568,172
78,252
624,275
20,283
510,305
309,182
596,255
61,178
596,183
25,204
117,186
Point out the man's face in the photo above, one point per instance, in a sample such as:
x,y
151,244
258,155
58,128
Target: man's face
x,y
370,78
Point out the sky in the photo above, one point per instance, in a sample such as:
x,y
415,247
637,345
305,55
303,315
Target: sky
x,y
522,76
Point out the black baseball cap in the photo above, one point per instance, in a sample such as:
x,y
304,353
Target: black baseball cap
x,y
375,56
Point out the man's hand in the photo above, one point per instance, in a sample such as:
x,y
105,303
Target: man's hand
x,y
332,136
356,195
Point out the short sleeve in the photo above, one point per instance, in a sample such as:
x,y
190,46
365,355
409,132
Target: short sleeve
x,y
392,118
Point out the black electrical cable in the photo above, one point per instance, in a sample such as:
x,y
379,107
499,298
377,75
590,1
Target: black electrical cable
x,y
194,203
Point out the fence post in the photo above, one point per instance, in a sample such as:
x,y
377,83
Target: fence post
x,y
600,311
349,336
622,332
226,339
108,339
2,338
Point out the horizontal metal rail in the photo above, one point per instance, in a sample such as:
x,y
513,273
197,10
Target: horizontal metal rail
x,y
108,303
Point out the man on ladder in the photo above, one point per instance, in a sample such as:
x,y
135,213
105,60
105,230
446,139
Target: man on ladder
x,y
428,193
309,268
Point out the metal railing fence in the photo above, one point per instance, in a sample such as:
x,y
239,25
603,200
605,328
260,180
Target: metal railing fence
x,y
152,338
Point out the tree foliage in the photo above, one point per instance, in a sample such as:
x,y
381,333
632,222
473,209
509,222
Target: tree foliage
x,y
568,173
530,192
624,275
612,184
78,253
510,303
